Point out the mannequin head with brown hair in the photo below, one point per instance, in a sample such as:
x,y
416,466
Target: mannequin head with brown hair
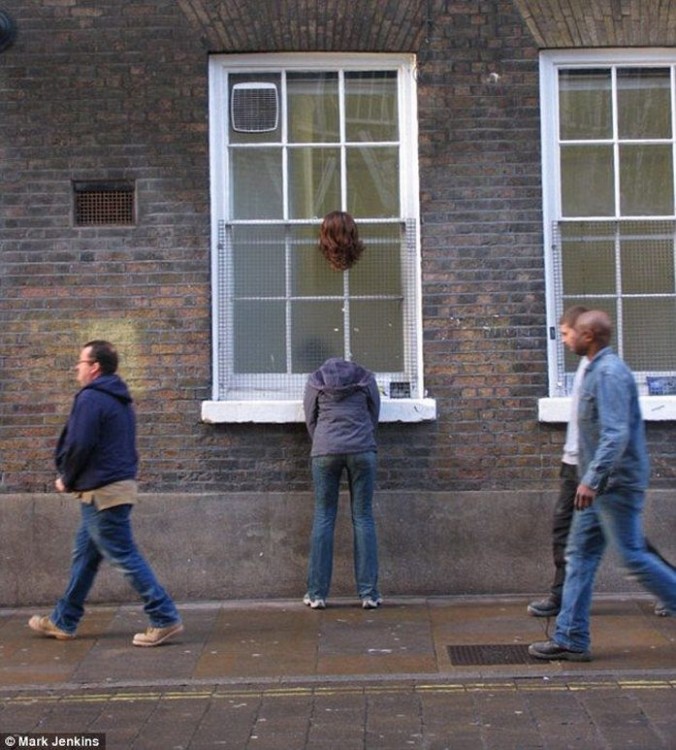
x,y
339,240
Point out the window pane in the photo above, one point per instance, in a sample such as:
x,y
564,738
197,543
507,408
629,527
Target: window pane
x,y
314,181
313,107
648,266
376,330
311,275
371,106
646,180
587,185
256,183
379,268
258,262
649,341
317,333
588,260
585,104
259,336
644,103
373,181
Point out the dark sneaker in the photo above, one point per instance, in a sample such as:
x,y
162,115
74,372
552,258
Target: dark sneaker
x,y
551,651
156,636
544,608
45,626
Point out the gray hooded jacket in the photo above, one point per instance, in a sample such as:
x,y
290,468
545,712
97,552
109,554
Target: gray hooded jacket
x,y
342,404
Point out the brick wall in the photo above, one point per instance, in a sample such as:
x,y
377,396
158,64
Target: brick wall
x,y
117,90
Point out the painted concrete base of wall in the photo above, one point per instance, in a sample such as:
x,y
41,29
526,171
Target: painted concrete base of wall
x,y
248,545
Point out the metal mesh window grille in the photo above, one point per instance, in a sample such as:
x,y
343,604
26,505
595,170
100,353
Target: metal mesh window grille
x,y
285,310
103,203
628,269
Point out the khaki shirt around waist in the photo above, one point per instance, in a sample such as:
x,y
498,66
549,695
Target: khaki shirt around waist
x,y
110,495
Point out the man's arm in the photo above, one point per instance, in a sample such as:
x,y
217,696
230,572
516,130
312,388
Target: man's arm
x,y
613,409
80,441
310,409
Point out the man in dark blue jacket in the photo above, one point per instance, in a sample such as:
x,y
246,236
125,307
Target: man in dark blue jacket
x,y
96,459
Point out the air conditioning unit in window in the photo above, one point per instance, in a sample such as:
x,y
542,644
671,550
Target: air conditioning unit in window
x,y
254,107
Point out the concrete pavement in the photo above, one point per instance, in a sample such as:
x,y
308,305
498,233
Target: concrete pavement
x,y
432,673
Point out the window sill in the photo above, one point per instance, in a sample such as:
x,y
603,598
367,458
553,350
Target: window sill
x,y
654,409
391,410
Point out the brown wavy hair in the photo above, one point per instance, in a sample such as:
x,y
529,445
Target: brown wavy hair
x,y
339,240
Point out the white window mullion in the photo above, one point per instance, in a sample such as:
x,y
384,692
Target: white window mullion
x,y
285,147
288,307
673,132
616,140
347,339
619,302
288,312
618,210
342,137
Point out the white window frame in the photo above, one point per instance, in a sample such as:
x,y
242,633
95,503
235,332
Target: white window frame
x,y
556,408
418,407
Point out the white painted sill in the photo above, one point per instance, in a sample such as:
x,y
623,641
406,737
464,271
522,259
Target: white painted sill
x,y
391,410
653,408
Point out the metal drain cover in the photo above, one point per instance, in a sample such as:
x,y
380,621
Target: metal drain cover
x,y
482,654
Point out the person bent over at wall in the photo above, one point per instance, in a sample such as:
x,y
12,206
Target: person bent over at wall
x,y
342,405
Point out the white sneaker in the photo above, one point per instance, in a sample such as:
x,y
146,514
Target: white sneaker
x,y
371,603
314,603
661,609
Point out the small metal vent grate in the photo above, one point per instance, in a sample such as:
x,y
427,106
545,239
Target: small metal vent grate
x,y
103,203
462,656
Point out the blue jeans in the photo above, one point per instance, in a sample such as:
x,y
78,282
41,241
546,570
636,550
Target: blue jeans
x,y
361,474
106,534
615,517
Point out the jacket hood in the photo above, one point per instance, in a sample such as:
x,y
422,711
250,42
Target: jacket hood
x,y
339,377
113,385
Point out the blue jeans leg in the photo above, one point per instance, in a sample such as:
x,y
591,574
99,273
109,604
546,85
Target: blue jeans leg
x,y
361,470
621,516
615,516
109,533
586,544
85,563
326,473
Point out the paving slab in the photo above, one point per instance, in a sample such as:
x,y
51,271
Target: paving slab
x,y
275,674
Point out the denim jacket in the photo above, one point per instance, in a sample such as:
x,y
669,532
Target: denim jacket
x,y
612,444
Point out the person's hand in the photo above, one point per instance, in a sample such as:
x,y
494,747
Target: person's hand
x,y
584,497
60,486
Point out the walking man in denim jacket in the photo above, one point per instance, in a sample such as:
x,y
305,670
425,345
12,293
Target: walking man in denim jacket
x,y
614,469
96,460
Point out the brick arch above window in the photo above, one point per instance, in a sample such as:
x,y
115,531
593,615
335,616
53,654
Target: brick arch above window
x,y
558,24
307,25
